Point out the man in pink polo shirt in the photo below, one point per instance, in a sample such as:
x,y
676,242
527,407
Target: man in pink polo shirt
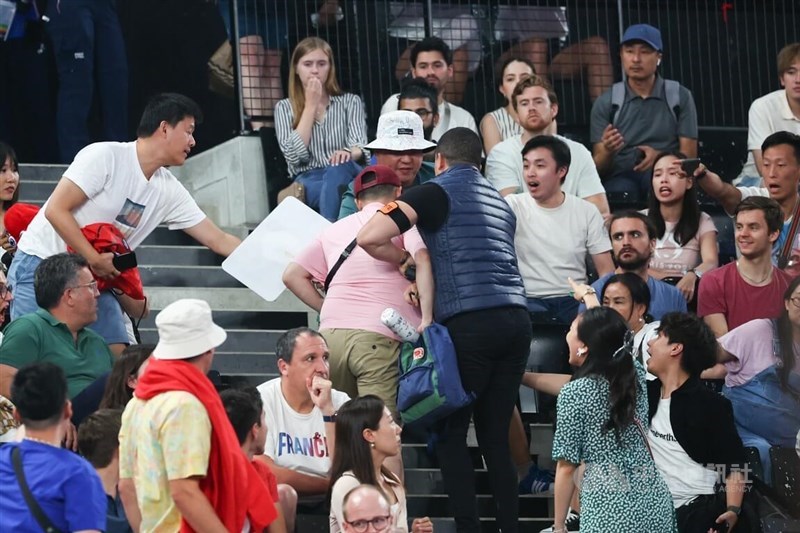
x,y
363,351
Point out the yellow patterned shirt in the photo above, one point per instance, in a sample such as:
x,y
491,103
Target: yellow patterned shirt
x,y
165,438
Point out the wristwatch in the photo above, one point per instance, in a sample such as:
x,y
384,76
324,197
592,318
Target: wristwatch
x,y
734,509
590,290
329,418
697,273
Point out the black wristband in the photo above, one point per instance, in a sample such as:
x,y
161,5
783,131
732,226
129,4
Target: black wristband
x,y
393,211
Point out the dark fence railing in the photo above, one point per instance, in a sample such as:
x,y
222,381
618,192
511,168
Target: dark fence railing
x,y
724,51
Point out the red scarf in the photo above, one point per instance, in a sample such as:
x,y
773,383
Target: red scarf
x,y
232,485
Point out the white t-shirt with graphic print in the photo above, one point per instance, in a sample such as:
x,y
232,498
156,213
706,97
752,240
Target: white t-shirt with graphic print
x,y
110,175
295,440
686,478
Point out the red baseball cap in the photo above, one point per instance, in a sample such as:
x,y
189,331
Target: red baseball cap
x,y
375,175
18,217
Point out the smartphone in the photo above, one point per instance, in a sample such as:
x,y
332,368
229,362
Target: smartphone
x,y
689,166
411,273
719,528
125,261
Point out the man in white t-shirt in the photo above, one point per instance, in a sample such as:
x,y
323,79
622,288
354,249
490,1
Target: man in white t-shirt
x,y
692,434
776,111
555,230
432,60
300,409
536,104
125,184
780,168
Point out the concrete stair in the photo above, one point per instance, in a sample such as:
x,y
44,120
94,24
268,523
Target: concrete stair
x,y
173,265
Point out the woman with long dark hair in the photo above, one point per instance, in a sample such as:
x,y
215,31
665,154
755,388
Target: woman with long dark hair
x,y
502,123
366,435
125,375
601,415
628,295
321,129
763,379
9,191
686,246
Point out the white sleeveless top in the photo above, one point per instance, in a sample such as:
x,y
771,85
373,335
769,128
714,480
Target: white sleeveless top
x,y
506,124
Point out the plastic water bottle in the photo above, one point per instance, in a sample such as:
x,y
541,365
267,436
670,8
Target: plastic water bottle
x,y
396,322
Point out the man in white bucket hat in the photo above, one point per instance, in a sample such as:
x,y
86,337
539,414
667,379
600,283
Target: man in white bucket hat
x,y
399,144
180,460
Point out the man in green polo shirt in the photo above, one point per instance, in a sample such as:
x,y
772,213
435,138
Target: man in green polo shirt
x,y
56,333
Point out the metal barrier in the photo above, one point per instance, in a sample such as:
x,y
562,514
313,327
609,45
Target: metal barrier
x,y
725,52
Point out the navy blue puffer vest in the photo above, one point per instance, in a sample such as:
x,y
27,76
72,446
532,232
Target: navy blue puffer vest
x,y
474,262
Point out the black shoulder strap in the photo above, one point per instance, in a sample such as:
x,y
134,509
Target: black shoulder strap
x,y
345,254
38,514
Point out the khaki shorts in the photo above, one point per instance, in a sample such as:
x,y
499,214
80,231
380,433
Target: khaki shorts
x,y
363,362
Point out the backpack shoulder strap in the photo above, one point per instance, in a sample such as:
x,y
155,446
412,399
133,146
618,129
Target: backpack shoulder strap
x,y
617,99
673,90
41,518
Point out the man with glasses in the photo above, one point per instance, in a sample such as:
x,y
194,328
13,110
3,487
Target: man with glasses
x,y
66,294
5,300
366,509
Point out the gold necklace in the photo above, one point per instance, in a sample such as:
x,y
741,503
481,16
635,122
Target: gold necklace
x,y
751,280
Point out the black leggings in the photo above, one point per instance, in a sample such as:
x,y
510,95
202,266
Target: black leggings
x,y
492,347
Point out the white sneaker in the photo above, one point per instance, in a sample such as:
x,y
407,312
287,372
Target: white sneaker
x,y
572,523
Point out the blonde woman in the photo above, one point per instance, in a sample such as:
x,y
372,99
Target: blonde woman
x,y
321,130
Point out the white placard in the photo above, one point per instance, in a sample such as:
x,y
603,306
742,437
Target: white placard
x,y
262,257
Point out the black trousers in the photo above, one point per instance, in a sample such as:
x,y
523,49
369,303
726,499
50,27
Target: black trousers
x,y
492,347
700,514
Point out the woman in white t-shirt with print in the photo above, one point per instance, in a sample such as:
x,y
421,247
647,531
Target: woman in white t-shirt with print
x,y
366,435
686,246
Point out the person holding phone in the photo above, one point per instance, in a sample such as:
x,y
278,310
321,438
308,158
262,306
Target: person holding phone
x,y
693,461
686,243
129,186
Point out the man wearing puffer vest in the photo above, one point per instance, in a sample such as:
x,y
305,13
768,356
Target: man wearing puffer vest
x,y
476,291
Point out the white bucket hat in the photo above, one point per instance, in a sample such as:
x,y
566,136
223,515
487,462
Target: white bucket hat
x,y
185,330
399,131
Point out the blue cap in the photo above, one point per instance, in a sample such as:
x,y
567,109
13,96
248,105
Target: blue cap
x,y
645,33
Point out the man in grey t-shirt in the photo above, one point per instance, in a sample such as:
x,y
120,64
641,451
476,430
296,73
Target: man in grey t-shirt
x,y
640,117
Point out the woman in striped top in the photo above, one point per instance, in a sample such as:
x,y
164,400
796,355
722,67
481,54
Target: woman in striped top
x,y
321,130
502,123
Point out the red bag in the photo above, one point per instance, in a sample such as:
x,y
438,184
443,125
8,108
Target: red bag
x,y
108,238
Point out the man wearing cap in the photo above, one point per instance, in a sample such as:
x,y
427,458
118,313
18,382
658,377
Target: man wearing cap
x,y
364,351
400,144
640,117
180,461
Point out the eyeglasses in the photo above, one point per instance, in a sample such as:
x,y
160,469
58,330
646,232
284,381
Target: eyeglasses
x,y
378,524
794,299
5,290
92,285
422,112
